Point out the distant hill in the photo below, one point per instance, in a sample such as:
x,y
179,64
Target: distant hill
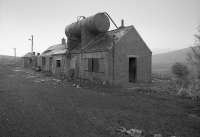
x,y
4,59
160,62
163,62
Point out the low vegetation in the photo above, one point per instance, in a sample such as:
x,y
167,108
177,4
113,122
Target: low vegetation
x,y
36,104
187,77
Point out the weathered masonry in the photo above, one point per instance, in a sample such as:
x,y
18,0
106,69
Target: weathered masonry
x,y
54,59
118,56
30,60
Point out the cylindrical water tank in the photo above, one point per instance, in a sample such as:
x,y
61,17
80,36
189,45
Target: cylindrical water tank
x,y
97,23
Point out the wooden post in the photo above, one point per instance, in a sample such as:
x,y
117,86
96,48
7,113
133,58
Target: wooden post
x,y
14,52
31,43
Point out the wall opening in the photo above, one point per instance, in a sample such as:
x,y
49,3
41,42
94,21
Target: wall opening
x,y
43,61
93,65
132,69
30,61
58,63
50,63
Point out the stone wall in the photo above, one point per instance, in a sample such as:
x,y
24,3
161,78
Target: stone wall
x,y
103,73
131,45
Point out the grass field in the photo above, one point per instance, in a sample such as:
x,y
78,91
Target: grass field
x,y
34,105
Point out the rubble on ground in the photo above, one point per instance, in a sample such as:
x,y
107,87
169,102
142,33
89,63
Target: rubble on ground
x,y
131,132
39,79
137,133
56,80
76,85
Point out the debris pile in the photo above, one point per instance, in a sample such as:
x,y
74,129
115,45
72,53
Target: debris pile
x,y
136,133
76,85
37,78
131,132
42,80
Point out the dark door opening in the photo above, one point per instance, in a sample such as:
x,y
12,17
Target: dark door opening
x,y
132,69
50,64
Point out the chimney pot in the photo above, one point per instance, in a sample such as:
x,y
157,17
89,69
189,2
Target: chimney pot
x,y
63,41
122,23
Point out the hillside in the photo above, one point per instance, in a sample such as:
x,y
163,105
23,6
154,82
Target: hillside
x,y
4,59
163,62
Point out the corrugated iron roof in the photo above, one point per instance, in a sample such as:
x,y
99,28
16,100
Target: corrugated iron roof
x,y
101,43
55,50
105,41
29,54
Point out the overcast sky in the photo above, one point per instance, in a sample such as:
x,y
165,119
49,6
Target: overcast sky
x,y
163,24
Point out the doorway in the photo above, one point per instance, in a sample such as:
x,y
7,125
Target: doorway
x,y
50,64
132,69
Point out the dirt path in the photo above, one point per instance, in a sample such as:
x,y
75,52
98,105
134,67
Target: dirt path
x,y
32,105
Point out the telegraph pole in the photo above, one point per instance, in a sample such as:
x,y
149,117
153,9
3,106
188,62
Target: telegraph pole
x,y
31,39
15,52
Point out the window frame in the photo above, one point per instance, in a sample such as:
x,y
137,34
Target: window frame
x,y
58,61
43,61
94,65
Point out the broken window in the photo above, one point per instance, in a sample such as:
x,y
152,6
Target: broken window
x,y
90,64
85,64
93,65
43,61
101,65
58,63
50,60
30,61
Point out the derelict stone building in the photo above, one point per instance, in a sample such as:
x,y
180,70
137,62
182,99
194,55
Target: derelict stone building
x,y
54,59
118,56
30,60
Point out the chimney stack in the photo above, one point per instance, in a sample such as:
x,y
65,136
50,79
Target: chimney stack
x,y
122,23
15,52
63,41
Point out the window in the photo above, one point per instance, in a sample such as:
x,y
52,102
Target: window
x,y
50,60
30,61
43,61
85,64
93,65
58,63
101,65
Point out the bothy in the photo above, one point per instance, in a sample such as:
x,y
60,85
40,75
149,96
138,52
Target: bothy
x,y
118,56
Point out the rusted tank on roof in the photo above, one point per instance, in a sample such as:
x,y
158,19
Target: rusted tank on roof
x,y
97,23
